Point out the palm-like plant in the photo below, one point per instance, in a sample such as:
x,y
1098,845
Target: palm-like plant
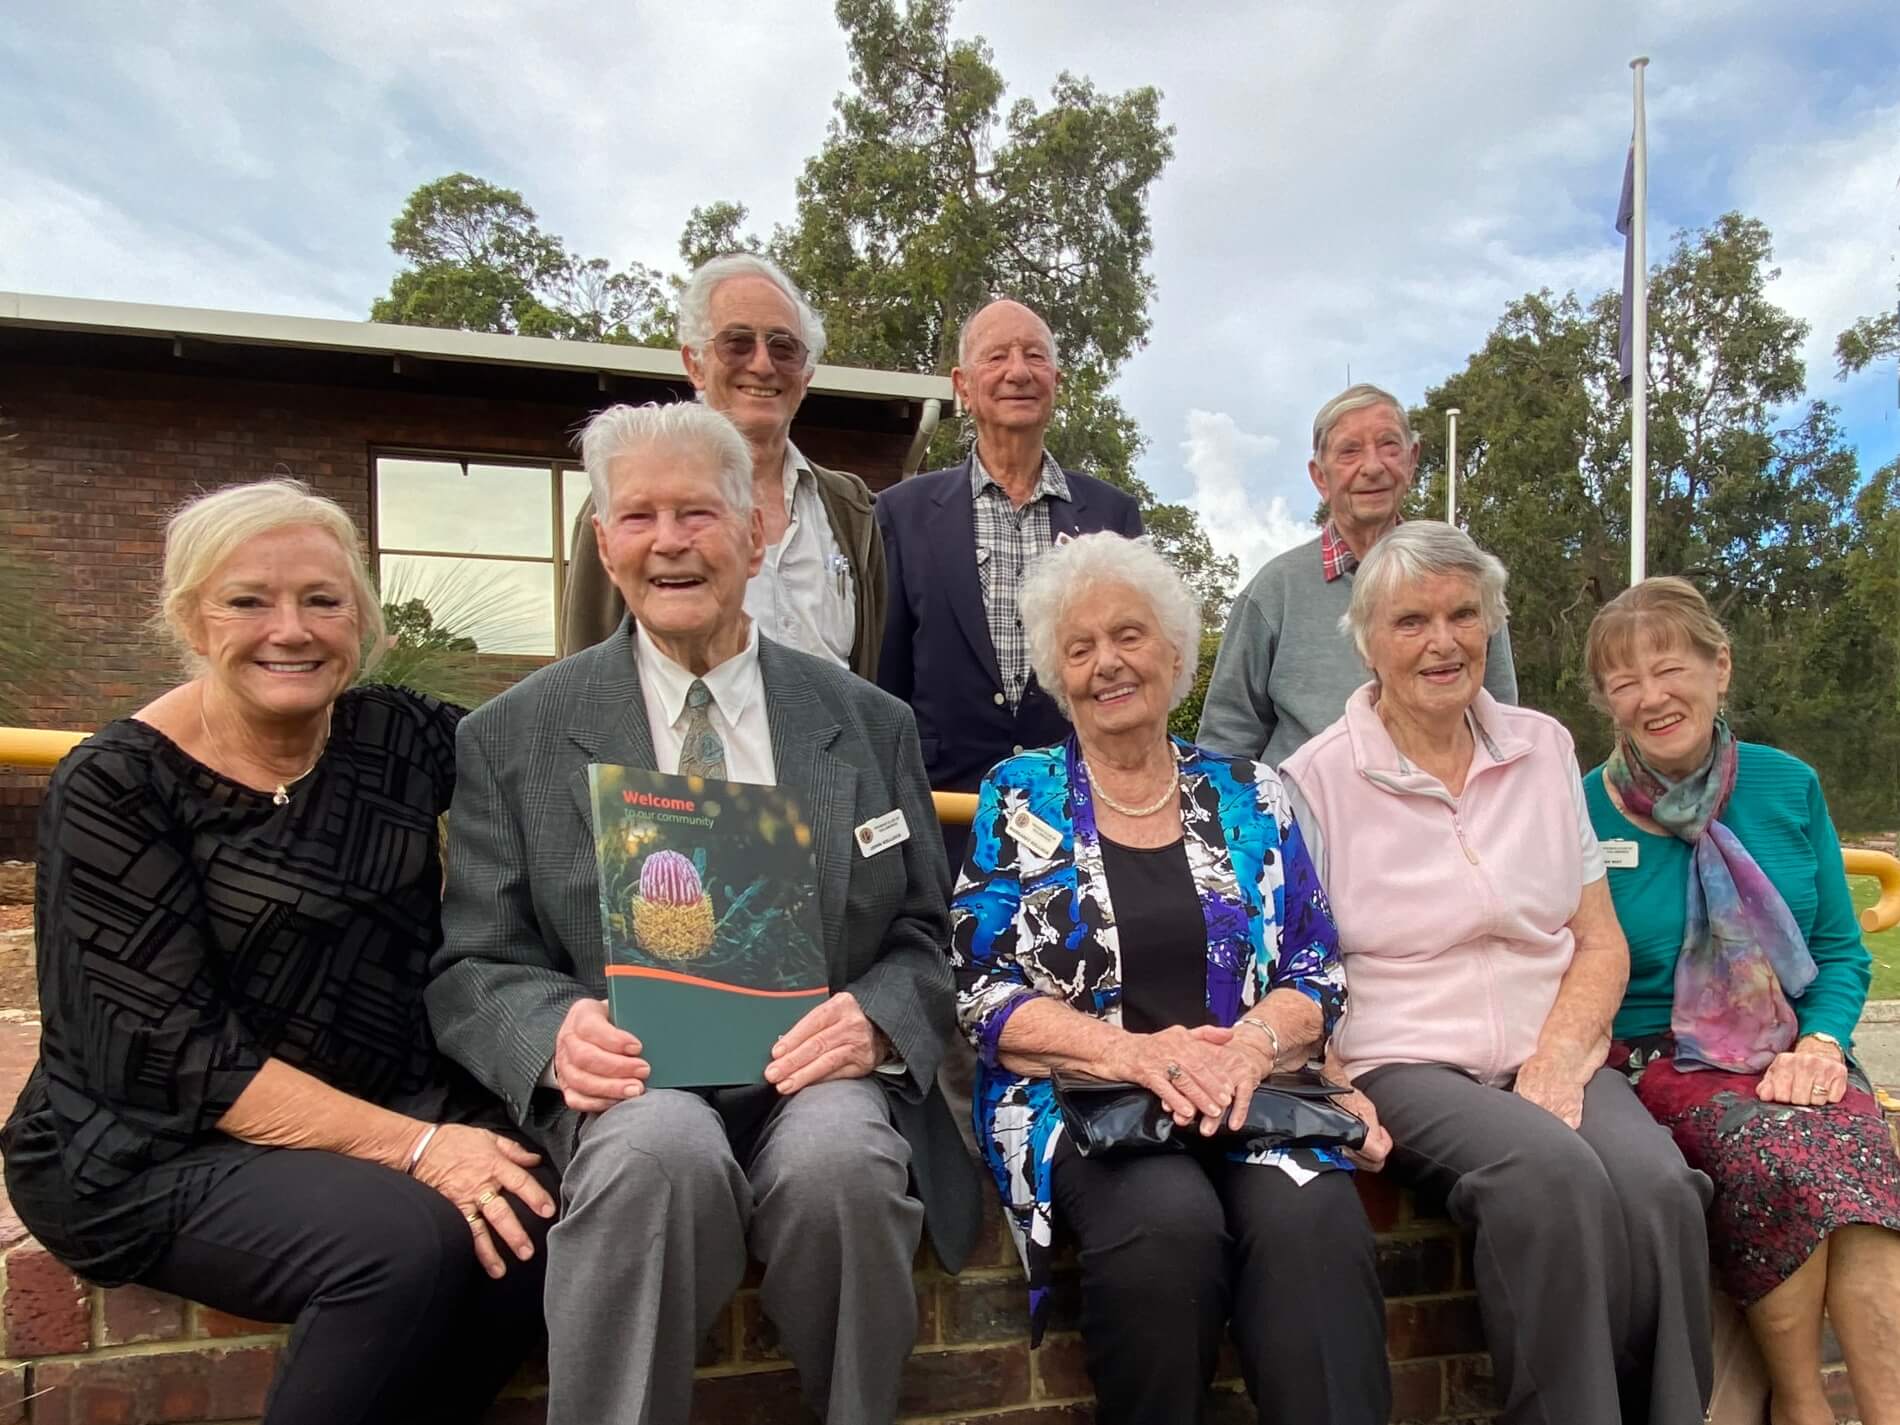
x,y
35,641
440,617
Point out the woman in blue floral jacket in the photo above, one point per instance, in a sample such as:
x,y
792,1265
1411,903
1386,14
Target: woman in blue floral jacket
x,y
1136,908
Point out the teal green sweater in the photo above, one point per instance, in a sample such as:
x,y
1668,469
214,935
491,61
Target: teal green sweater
x,y
1778,813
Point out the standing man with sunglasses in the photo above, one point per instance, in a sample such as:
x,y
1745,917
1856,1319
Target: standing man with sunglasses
x,y
750,342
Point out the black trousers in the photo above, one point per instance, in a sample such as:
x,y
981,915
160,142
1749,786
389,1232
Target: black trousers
x,y
1174,1244
395,1320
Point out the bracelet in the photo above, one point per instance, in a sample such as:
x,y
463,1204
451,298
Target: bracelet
x,y
1273,1036
422,1146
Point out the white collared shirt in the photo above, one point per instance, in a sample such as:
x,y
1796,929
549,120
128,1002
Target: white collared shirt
x,y
737,712
803,595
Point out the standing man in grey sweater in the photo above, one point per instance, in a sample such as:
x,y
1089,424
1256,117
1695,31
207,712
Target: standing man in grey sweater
x,y
1285,670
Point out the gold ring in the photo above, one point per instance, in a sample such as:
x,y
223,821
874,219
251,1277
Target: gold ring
x,y
488,1196
472,1217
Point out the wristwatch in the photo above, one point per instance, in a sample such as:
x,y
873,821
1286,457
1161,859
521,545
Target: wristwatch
x,y
1826,1038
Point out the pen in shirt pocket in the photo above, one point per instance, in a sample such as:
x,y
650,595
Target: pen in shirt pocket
x,y
840,570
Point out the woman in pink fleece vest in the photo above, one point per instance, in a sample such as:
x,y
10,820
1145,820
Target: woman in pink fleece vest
x,y
1484,966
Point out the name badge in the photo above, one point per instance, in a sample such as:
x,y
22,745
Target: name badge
x,y
1619,855
882,832
1034,834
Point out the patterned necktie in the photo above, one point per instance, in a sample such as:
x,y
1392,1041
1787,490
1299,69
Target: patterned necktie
x,y
702,753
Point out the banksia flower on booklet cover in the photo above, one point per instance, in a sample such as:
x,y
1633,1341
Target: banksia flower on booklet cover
x,y
672,913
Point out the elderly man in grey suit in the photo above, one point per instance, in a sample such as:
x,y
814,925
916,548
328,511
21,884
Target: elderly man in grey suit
x,y
829,1170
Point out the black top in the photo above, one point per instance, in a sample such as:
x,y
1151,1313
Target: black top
x,y
1163,935
188,929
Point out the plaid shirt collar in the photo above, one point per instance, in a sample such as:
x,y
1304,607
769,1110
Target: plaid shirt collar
x,y
1051,483
1335,555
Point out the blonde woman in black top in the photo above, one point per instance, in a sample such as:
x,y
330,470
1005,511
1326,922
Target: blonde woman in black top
x,y
238,1099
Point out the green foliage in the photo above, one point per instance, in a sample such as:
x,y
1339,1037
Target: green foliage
x,y
479,261
1769,514
411,624
438,615
1185,720
927,197
1869,340
35,640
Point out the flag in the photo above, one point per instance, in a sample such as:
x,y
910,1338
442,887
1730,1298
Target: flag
x,y
1626,225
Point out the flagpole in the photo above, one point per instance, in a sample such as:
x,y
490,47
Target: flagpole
x,y
1451,466
1639,343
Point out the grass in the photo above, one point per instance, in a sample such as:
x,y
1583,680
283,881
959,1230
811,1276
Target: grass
x,y
1885,947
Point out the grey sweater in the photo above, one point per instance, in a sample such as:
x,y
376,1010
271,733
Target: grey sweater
x,y
1285,670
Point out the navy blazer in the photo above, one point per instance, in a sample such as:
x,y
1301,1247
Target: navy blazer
x,y
937,655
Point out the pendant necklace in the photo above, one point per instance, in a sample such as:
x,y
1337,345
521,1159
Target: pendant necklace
x,y
281,796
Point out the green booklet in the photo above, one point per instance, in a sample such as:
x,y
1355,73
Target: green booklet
x,y
709,913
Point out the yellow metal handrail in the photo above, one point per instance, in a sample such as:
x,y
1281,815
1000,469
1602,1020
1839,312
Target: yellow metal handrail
x,y
1884,913
34,748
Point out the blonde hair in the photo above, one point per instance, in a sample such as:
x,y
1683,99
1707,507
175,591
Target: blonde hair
x,y
1661,612
205,532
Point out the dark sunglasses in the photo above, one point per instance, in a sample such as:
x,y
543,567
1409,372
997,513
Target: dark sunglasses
x,y
735,346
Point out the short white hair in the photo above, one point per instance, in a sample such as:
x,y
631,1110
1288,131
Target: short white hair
x,y
1082,565
695,304
1417,550
202,533
1356,398
969,322
621,430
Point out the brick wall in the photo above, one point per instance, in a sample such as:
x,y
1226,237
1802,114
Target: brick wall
x,y
100,456
75,1355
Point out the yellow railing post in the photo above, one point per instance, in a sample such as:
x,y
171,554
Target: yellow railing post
x,y
1884,913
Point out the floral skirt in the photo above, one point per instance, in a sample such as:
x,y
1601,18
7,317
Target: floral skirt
x,y
1785,1175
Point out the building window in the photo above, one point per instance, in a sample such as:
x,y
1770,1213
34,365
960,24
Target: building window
x,y
472,549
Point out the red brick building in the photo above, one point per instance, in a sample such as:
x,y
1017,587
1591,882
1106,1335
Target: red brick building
x,y
451,449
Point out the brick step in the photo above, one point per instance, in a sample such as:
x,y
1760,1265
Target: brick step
x,y
81,1355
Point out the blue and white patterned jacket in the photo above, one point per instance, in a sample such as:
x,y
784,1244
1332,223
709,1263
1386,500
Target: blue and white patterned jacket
x,y
1023,925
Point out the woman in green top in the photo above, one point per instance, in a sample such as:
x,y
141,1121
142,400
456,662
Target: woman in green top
x,y
1747,977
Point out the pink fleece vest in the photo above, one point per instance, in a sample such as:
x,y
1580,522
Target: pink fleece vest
x,y
1453,914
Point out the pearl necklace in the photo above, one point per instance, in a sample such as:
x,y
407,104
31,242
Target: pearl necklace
x,y
281,796
1101,794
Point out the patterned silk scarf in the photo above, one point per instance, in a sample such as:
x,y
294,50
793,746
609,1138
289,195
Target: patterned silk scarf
x,y
1742,953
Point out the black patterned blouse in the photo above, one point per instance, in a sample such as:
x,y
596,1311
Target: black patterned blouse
x,y
188,929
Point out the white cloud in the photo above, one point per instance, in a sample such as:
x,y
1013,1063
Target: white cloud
x,y
1226,465
1354,186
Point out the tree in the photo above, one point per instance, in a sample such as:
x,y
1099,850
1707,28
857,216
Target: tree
x,y
1869,340
1753,494
479,261
928,197
411,624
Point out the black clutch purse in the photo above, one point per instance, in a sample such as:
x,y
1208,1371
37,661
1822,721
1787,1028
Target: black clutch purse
x,y
1108,1117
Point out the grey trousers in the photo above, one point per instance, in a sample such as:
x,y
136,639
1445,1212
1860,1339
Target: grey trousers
x,y
657,1215
1592,1253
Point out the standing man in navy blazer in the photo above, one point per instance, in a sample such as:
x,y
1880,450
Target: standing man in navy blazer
x,y
957,543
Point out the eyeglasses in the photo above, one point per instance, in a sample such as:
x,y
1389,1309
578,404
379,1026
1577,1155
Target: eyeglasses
x,y
735,346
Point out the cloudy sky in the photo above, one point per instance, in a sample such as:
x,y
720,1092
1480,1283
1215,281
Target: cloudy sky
x,y
1356,185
